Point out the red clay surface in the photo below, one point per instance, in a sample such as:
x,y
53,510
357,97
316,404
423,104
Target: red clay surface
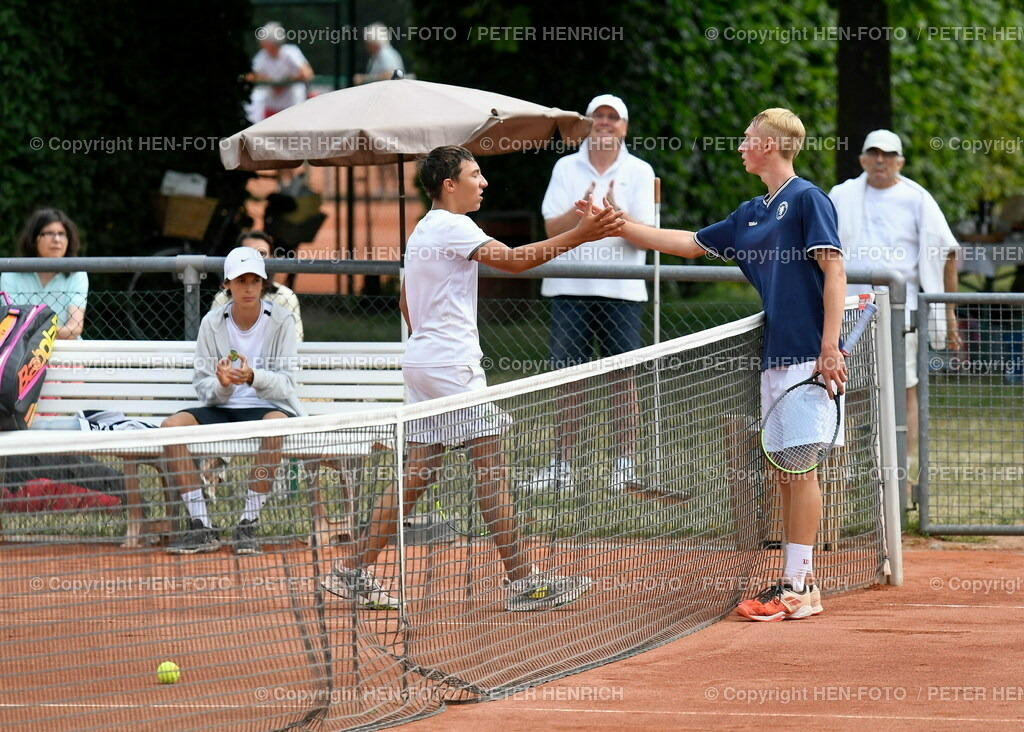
x,y
941,652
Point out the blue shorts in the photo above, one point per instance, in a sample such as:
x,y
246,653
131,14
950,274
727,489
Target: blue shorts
x,y
576,322
223,415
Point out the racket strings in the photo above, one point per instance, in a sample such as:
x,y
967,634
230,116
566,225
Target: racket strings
x,y
800,430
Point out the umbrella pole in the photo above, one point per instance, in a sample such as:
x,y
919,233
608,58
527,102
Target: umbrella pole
x,y
337,225
350,224
657,333
401,236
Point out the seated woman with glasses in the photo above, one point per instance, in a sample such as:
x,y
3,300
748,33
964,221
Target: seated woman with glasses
x,y
50,233
279,294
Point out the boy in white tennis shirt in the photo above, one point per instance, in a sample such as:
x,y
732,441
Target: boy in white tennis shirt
x,y
439,302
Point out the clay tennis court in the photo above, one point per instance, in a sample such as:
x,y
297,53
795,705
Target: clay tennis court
x,y
940,653
936,653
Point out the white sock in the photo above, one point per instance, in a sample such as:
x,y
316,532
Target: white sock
x,y
253,503
798,564
625,465
196,505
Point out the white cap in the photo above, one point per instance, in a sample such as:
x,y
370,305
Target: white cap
x,y
244,260
272,32
883,140
608,100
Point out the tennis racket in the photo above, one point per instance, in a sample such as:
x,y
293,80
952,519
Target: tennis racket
x,y
461,520
801,426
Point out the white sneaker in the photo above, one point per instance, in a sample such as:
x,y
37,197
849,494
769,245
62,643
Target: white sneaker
x,y
348,583
816,608
556,477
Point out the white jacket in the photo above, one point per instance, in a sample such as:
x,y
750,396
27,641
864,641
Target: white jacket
x,y
275,383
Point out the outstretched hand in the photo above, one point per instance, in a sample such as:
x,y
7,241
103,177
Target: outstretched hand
x,y
585,204
609,197
597,223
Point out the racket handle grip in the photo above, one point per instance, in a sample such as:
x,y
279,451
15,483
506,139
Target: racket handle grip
x,y
858,329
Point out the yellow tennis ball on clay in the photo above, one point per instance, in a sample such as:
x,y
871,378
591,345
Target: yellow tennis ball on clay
x,y
168,673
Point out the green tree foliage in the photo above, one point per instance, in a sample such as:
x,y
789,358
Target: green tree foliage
x,y
694,73
690,95
109,73
958,99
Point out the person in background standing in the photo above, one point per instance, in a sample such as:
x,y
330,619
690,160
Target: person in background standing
x,y
887,221
384,59
284,70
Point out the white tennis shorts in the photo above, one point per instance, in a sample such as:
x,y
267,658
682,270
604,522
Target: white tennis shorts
x,y
774,383
910,343
457,426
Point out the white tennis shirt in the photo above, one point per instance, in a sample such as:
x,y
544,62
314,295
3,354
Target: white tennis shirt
x,y
441,290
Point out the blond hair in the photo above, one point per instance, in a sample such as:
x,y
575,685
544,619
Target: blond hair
x,y
785,127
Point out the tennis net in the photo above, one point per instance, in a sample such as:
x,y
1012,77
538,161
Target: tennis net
x,y
669,543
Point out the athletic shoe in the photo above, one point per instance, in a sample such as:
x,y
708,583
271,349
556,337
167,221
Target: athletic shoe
x,y
358,583
816,608
556,477
543,591
198,538
778,602
245,537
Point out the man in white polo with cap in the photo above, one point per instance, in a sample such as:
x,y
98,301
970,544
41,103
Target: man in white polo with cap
x,y
605,313
887,221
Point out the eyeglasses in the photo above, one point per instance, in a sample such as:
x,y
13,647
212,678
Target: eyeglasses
x,y
54,234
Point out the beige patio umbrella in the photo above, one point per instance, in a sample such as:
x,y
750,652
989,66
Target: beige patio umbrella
x,y
391,121
387,121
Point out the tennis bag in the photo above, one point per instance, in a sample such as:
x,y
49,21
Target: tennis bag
x,y
26,342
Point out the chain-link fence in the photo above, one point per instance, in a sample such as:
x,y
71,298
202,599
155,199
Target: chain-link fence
x,y
514,332
971,412
514,320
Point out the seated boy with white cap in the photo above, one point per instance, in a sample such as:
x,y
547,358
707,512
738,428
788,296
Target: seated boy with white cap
x,y
246,365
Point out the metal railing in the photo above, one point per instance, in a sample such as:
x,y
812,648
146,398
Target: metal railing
x,y
514,325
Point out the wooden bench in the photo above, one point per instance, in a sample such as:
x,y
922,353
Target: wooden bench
x,y
150,380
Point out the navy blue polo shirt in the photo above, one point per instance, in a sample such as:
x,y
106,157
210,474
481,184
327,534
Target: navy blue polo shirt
x,y
771,240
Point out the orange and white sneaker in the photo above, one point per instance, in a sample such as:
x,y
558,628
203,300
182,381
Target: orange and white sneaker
x,y
778,602
816,608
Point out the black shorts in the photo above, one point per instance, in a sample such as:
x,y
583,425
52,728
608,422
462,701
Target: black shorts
x,y
222,415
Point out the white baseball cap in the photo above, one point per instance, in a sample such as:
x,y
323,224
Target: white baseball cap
x,y
244,260
608,100
883,140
